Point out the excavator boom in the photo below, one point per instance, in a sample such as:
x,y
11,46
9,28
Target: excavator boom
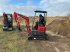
x,y
24,17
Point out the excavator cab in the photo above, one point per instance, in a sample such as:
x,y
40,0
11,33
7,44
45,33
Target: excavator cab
x,y
8,22
39,30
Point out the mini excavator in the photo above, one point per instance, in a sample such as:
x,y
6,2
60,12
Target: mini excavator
x,y
7,22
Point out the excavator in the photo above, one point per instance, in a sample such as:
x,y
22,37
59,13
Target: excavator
x,y
38,31
7,22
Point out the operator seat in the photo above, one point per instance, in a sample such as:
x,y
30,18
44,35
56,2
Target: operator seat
x,y
41,20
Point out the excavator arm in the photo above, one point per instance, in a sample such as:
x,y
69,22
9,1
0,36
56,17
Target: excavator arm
x,y
24,17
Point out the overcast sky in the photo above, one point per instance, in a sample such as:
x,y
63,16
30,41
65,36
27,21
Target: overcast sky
x,y
27,7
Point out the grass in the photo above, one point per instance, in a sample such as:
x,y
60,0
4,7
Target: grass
x,y
13,41
8,41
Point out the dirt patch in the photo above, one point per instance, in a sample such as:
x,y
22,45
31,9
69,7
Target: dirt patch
x,y
60,27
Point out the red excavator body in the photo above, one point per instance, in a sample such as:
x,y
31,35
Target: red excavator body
x,y
39,32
